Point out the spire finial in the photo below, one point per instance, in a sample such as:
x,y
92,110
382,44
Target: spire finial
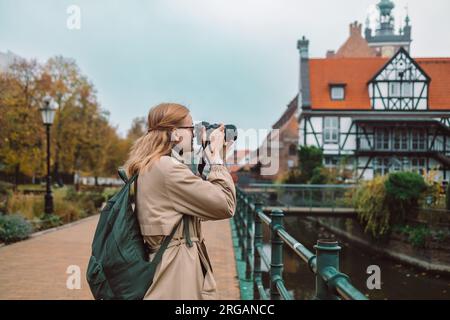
x,y
407,19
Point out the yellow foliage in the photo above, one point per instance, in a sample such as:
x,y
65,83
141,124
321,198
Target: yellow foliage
x,y
372,209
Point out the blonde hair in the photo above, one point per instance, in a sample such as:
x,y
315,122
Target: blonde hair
x,y
162,119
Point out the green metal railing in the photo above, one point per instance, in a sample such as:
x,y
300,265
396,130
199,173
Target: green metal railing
x,y
305,195
249,218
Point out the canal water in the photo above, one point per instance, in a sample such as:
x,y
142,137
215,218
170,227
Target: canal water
x,y
398,280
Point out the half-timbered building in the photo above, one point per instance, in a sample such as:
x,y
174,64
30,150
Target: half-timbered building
x,y
379,114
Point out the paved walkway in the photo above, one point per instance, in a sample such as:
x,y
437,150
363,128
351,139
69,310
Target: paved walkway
x,y
36,268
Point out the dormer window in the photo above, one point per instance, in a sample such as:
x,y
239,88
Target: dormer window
x,y
337,91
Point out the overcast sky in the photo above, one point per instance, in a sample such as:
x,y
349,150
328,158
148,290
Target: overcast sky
x,y
228,60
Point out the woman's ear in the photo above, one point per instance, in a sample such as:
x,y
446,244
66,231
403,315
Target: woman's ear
x,y
175,136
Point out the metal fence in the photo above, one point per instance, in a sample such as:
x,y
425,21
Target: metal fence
x,y
303,195
249,218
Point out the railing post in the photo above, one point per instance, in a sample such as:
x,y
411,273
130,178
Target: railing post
x,y
327,253
249,245
238,217
244,230
257,243
276,261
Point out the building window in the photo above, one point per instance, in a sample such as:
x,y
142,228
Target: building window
x,y
418,165
397,165
331,162
382,139
381,166
331,130
407,90
394,89
290,164
401,139
292,150
337,92
418,139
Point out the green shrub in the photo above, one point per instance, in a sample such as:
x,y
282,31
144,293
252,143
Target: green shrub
x,y
87,201
5,194
68,206
292,177
5,187
108,193
71,194
29,205
447,197
371,205
14,228
32,206
417,236
97,198
403,190
309,159
441,235
68,211
50,221
319,176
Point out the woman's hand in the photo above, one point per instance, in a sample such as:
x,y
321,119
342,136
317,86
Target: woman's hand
x,y
216,145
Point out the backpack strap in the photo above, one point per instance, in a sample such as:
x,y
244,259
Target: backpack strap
x,y
187,236
158,256
122,174
135,196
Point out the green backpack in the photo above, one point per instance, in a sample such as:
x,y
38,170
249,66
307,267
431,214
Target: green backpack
x,y
119,266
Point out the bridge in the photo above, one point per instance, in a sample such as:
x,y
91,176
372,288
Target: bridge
x,y
304,199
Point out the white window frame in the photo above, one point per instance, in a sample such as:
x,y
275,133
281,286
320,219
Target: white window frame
x,y
381,166
394,89
331,162
337,92
382,136
331,130
400,139
418,140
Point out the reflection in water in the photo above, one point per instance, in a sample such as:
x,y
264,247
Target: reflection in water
x,y
398,281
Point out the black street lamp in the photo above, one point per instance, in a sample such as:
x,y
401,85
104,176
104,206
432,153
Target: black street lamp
x,y
48,114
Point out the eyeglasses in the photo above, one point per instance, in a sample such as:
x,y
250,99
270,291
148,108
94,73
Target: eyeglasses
x,y
190,127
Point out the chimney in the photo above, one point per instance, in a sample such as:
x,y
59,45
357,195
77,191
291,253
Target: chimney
x,y
303,48
355,29
330,54
303,88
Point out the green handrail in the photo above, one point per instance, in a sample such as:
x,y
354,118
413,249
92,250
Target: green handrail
x,y
331,284
307,195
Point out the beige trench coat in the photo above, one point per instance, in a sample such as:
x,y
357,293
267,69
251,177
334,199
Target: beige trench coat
x,y
165,192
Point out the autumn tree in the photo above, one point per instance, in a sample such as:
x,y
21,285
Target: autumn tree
x,y
82,139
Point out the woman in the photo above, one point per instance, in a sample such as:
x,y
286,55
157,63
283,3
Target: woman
x,y
167,189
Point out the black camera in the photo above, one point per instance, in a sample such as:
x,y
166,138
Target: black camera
x,y
230,132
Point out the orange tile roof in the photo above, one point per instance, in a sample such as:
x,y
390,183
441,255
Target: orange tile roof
x,y
287,114
356,72
438,69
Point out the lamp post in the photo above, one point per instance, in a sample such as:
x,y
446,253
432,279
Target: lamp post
x,y
48,114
